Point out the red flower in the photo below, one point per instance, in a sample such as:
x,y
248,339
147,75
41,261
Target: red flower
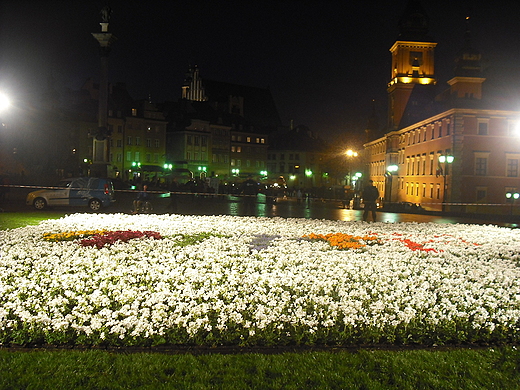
x,y
109,238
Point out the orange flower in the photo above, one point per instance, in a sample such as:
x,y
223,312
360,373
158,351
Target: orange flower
x,y
342,240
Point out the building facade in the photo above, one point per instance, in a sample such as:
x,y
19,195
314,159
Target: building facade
x,y
220,129
453,151
300,159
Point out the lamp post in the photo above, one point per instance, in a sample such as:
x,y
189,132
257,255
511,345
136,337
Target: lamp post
x,y
4,104
444,159
390,170
350,155
356,179
308,175
512,196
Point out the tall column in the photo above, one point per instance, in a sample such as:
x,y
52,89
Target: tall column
x,y
100,151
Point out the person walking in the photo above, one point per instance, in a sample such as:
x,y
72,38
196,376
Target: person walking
x,y
142,202
370,196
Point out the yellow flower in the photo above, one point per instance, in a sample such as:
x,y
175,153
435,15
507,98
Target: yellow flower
x,y
70,236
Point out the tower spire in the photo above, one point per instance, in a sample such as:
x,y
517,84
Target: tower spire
x,y
467,80
414,22
412,62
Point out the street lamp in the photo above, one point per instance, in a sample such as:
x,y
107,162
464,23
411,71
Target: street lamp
x,y
512,196
444,159
4,102
390,170
356,178
350,154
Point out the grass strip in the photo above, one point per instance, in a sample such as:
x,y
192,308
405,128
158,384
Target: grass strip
x,y
10,220
492,368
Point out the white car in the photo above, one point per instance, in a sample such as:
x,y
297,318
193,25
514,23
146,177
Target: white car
x,y
81,191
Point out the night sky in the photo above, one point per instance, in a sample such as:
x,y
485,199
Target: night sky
x,y
324,61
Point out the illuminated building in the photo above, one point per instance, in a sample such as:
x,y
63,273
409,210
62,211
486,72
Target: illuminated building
x,y
458,147
221,126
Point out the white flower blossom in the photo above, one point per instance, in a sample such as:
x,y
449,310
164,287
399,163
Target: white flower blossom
x,y
247,280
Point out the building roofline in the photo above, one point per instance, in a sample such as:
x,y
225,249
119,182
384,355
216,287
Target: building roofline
x,y
451,111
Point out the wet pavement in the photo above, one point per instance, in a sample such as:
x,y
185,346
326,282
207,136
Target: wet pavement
x,y
189,204
329,209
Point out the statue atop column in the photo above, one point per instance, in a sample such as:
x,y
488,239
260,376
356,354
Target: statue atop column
x,y
105,14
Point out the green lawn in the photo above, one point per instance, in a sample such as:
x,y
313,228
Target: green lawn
x,y
456,368
363,369
9,220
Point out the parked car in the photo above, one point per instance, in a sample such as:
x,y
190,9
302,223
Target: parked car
x,y
91,192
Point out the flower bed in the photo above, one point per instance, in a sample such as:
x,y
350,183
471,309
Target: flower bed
x,y
222,280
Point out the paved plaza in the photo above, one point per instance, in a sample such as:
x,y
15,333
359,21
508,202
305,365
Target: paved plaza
x,y
285,207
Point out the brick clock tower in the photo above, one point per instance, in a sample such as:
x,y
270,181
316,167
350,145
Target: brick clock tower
x,y
412,62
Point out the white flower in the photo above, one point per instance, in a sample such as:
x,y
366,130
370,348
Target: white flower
x,y
416,275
